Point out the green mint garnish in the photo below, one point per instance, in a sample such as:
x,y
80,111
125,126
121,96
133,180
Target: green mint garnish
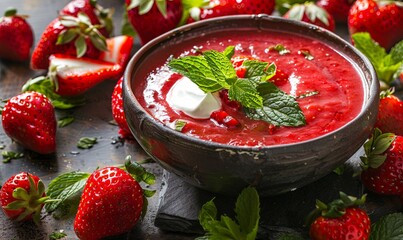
x,y
8,156
385,64
64,121
179,125
65,186
388,227
306,54
86,142
280,49
212,71
247,210
57,235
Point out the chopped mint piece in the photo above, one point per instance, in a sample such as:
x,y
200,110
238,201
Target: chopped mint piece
x,y
9,155
86,142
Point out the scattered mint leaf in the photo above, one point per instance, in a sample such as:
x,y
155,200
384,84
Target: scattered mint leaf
x,y
278,108
57,235
86,142
138,172
245,92
64,121
65,186
388,227
386,65
247,215
179,125
45,86
221,67
306,54
196,69
280,49
9,155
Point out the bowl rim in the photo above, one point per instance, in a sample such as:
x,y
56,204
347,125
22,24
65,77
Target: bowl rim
x,y
371,94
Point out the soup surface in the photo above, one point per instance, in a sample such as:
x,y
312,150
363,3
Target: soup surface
x,y
325,84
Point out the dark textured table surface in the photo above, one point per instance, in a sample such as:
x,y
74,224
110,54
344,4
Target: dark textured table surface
x,y
181,202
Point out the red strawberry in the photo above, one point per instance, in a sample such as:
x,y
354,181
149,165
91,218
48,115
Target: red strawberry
x,y
383,20
231,103
383,163
119,50
111,204
341,219
117,111
339,9
222,117
96,13
219,8
151,19
390,113
311,13
16,36
74,76
29,119
22,197
69,35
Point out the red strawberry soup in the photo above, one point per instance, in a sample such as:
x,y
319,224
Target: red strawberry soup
x,y
325,85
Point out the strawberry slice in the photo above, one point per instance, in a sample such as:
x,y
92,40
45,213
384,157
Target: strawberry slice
x,y
223,118
119,49
74,76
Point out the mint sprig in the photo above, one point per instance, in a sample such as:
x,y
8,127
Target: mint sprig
x,y
385,64
247,210
212,71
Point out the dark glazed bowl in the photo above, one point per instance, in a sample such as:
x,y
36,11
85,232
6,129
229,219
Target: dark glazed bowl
x,y
227,169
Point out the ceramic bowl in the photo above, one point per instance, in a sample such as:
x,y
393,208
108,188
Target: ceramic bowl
x,y
227,169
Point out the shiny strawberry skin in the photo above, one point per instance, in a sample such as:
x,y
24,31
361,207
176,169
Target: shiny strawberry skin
x,y
6,192
16,38
117,111
383,22
111,204
29,119
390,115
339,9
152,24
388,177
354,224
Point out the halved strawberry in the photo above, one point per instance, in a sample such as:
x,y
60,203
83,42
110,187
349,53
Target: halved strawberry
x,y
119,49
74,76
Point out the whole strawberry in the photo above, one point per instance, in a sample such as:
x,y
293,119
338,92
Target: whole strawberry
x,y
22,197
118,112
152,18
29,119
383,20
390,113
68,35
311,13
339,9
16,36
383,163
111,204
341,219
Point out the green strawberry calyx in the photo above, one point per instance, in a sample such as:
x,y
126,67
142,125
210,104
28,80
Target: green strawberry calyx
x,y
375,149
336,208
78,30
144,6
30,201
311,10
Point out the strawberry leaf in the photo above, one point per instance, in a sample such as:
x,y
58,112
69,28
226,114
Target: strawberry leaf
x,y
127,27
388,227
65,186
81,46
162,7
145,6
66,36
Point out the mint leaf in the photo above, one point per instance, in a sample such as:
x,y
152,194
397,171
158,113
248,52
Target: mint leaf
x,y
196,69
229,52
245,92
138,172
64,121
65,186
9,155
386,65
278,108
247,210
86,142
261,71
221,67
57,235
389,227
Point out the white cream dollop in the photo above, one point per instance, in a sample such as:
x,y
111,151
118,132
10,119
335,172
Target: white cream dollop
x,y
187,97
